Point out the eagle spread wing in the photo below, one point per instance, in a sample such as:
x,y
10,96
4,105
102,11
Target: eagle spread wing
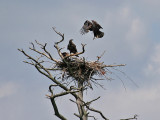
x,y
86,27
94,27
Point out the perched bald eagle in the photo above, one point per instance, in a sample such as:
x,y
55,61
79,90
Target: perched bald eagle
x,y
72,47
94,27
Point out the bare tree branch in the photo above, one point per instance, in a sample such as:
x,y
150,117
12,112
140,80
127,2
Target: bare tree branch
x,y
56,43
29,62
57,82
93,117
56,110
76,115
63,93
52,98
94,110
114,65
48,55
62,35
134,118
39,67
88,103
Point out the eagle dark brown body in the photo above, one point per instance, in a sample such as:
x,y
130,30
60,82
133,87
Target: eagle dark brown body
x,y
72,47
94,27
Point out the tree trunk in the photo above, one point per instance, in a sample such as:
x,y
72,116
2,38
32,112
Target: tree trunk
x,y
82,112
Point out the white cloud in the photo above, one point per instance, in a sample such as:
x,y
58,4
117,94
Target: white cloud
x,y
125,13
156,55
153,67
136,37
144,102
152,3
7,89
128,29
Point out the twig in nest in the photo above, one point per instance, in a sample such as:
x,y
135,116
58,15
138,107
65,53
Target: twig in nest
x,y
126,77
99,57
96,83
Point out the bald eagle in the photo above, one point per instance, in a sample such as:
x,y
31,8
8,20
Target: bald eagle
x,y
72,47
65,54
94,27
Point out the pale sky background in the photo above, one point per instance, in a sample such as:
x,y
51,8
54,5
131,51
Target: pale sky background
x,y
132,32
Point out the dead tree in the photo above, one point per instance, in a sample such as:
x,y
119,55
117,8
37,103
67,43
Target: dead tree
x,y
76,76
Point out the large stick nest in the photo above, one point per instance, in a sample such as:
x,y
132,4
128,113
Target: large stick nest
x,y
76,68
80,69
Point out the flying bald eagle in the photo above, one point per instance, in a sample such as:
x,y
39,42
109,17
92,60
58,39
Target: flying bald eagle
x,y
94,27
72,47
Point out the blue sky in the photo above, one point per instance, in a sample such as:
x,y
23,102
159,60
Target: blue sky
x,y
131,37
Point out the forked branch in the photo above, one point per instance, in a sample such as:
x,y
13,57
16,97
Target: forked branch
x,y
60,94
52,98
56,43
46,54
87,105
97,111
46,72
